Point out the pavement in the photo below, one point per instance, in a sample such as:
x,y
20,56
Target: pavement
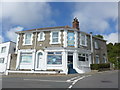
x,y
94,79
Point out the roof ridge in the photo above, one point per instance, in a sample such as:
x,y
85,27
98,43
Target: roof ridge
x,y
46,28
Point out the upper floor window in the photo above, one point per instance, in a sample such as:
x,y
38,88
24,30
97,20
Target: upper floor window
x,y
55,37
70,39
41,36
28,39
3,49
1,60
96,45
83,39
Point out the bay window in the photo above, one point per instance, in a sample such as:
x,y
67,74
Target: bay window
x,y
83,39
26,58
70,39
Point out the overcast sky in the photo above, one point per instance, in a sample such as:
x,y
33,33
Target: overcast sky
x,y
98,17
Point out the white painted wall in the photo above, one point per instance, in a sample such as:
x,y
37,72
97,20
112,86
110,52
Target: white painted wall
x,y
10,49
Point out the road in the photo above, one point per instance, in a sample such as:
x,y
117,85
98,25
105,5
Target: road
x,y
107,79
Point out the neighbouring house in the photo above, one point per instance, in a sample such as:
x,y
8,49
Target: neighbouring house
x,y
6,51
61,49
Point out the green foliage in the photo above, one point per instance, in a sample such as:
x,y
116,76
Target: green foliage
x,y
114,54
103,66
94,66
99,36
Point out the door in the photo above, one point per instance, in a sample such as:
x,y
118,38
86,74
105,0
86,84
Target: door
x,y
39,61
70,64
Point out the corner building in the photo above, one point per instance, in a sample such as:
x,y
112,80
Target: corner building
x,y
61,49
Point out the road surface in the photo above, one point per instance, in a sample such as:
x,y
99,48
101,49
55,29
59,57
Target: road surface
x,y
107,79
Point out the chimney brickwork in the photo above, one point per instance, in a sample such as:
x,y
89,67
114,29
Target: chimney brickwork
x,y
75,23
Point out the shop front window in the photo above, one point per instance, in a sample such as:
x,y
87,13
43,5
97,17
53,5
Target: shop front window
x,y
83,57
54,58
26,58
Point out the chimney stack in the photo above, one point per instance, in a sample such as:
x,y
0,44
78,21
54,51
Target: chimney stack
x,y
75,23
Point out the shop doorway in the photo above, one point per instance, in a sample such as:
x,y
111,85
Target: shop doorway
x,y
70,63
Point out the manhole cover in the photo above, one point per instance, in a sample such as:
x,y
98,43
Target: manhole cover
x,y
106,81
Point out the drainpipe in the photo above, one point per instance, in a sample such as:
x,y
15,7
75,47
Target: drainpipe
x,y
35,39
91,41
35,50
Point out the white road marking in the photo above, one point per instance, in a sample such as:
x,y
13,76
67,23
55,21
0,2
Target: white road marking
x,y
72,78
75,81
70,86
46,80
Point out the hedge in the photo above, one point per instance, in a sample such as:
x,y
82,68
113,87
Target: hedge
x,y
103,66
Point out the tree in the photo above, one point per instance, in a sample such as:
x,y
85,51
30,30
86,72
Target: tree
x,y
99,36
114,54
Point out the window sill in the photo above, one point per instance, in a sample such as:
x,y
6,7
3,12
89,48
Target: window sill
x,y
54,65
41,40
97,48
55,43
83,45
27,44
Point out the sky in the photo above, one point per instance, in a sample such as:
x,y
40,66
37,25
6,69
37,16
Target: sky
x,y
97,17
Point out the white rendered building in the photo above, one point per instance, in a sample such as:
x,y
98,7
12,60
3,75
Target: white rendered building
x,y
6,49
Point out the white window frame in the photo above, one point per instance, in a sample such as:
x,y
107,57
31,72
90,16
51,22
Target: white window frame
x,y
81,40
54,53
3,60
59,37
97,56
2,49
86,56
104,59
96,45
27,54
17,42
30,39
43,37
